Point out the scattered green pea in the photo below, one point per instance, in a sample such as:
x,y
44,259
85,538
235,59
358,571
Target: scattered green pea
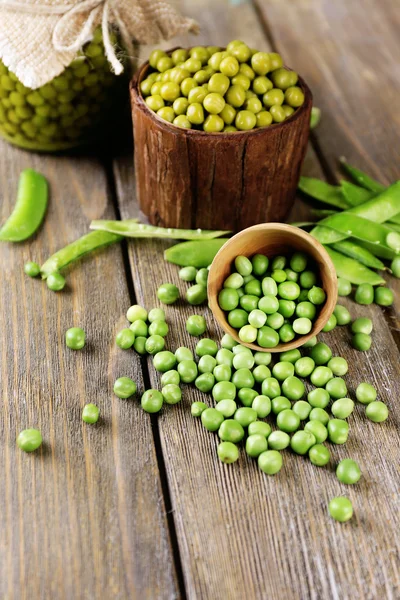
x,y
55,282
156,314
338,431
361,342
319,455
362,325
75,338
342,315
188,273
139,328
318,429
136,313
152,401
168,293
227,452
169,377
198,408
377,412
344,287
32,269
270,462
340,509
124,387
158,328
183,353
348,471
90,413
342,408
383,296
29,440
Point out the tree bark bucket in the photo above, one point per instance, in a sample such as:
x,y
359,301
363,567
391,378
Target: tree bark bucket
x,y
188,178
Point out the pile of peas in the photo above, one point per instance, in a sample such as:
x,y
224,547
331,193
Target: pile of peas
x,y
216,90
272,301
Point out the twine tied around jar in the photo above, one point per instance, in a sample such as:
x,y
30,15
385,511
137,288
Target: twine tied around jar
x,y
67,26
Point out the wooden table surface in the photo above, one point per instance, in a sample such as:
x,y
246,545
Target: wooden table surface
x,y
139,507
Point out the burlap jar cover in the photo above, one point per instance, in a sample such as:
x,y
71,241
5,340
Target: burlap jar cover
x,y
39,38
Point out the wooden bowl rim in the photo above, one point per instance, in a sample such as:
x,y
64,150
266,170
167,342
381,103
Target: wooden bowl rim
x,y
136,96
327,309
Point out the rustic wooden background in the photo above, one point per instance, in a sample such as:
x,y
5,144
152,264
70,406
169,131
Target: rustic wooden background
x,y
140,507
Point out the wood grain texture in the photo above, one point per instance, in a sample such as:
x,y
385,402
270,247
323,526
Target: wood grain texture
x,y
242,534
189,178
83,517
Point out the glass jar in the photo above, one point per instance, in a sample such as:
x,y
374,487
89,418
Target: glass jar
x,y
75,108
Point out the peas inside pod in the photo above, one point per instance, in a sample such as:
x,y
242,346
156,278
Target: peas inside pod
x,y
267,307
217,90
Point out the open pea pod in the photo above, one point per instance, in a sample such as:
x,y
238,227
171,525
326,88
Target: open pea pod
x,y
352,270
131,228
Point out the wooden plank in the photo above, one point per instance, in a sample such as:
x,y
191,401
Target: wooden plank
x,y
240,533
83,517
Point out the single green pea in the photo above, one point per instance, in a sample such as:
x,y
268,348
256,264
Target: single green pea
x,y
302,409
259,428
248,334
294,96
248,302
213,103
280,403
290,356
318,429
383,296
228,342
156,314
259,264
262,358
364,294
361,342
124,387
261,63
342,315
231,430
269,304
170,91
228,114
213,124
270,387
286,333
275,61
282,370
260,373
243,378
75,338
31,269
171,393
183,353
255,445
344,287
304,366
278,440
205,382
245,415
269,288
318,398
348,471
237,318
227,408
338,431
187,370
270,462
228,452
170,377
188,273
229,66
377,412
366,393
206,346
152,401
336,388
262,405
158,328
338,366
235,96
310,343
207,364
224,357
308,279
55,282
267,337
293,388
139,344
243,265
155,102
253,105
228,299
288,290
316,295
242,52
261,85
179,55
319,455
288,421
278,114
187,85
245,120
340,509
222,373
212,419
139,328
263,118
362,325
196,325
278,263
302,441
291,275
247,396
319,414
224,390
302,326
29,440
342,408
257,318
90,413
164,361
182,121
287,308
243,360
330,324
125,339
196,294
195,113
192,65
320,376
168,293
200,53
321,353
279,276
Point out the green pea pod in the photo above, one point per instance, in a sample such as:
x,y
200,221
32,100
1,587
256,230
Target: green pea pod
x,y
364,256
194,253
322,212
361,178
87,243
352,270
315,117
29,209
322,191
359,228
131,228
354,194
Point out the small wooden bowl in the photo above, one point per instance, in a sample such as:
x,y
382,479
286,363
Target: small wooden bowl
x,y
272,239
188,178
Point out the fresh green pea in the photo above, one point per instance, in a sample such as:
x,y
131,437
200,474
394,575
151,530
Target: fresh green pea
x,y
262,358
187,370
224,390
243,360
231,431
291,275
139,328
196,325
245,415
183,353
267,337
29,440
361,342
234,281
196,294
342,408
308,279
288,421
298,262
293,388
269,288
342,315
124,387
286,333
55,282
319,414
362,325
224,357
125,339
318,398
262,405
255,445
205,382
257,318
228,342
280,403
344,287
282,370
243,378
268,304
340,509
383,296
243,265
136,313
228,299
227,408
302,326
158,328
259,428
222,373
270,462
260,264
202,276
168,293
364,294
207,364
164,361
248,302
338,431
278,440
338,366
302,441
330,324
316,295
260,373
366,393
152,401
278,262
75,338
248,334
270,387
320,376
302,409
169,377
279,276
237,318
205,347
290,356
303,296
348,471
288,290
247,395
188,273
395,266
171,393
253,287
336,388
140,344
212,419
320,353
228,452
154,344
318,429
306,310
286,308
31,269
304,366
311,342
156,314
377,412
319,455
